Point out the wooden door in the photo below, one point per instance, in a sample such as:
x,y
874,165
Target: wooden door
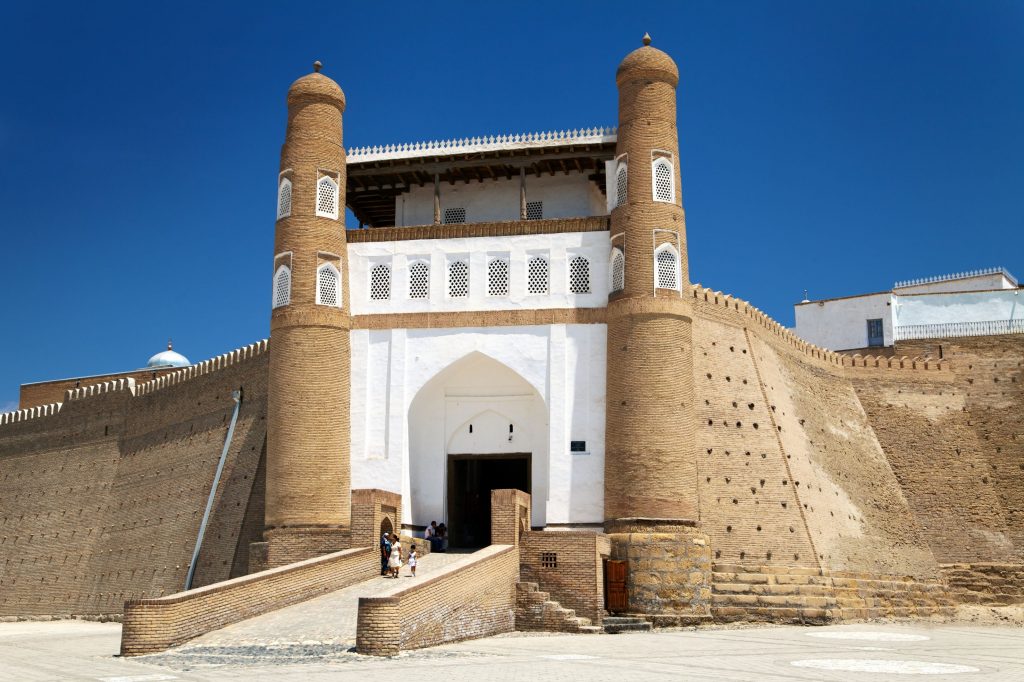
x,y
616,598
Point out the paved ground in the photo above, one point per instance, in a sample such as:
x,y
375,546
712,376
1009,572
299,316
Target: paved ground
x,y
71,650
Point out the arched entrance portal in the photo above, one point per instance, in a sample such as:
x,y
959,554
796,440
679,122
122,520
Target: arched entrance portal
x,y
474,427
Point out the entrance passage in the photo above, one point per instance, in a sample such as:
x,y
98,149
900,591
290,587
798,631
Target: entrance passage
x,y
471,478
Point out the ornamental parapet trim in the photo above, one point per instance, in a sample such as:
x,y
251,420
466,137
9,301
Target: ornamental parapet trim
x,y
949,330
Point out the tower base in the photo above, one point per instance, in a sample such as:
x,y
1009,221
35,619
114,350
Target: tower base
x,y
668,568
288,545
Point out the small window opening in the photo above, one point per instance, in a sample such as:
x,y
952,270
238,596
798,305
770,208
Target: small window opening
x,y
579,275
618,270
549,560
419,280
458,279
534,210
537,275
497,277
380,282
455,214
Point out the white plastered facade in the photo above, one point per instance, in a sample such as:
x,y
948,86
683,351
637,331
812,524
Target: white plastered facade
x,y
559,249
525,389
414,391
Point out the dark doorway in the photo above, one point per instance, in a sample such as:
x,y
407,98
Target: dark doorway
x,y
471,478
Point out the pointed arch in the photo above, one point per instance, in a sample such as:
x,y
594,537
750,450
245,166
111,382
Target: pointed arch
x,y
617,270
666,268
328,286
621,180
282,294
284,198
663,180
327,197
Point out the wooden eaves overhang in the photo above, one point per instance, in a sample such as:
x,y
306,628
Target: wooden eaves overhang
x,y
374,183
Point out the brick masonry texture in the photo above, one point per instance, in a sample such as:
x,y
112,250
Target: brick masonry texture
x,y
475,597
576,579
152,625
650,464
308,469
101,501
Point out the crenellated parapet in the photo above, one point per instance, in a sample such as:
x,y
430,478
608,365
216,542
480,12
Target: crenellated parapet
x,y
205,367
100,389
749,314
30,413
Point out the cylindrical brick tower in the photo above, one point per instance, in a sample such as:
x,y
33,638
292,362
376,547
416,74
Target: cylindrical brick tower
x,y
308,489
650,454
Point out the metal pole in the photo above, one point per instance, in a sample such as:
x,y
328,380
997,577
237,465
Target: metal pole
x,y
237,397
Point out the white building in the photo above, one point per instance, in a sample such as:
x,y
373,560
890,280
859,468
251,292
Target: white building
x,y
974,303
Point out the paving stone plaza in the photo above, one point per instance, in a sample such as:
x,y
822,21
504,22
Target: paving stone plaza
x,y
77,650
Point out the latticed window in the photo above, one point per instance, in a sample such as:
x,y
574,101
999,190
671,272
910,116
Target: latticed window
x,y
666,268
534,210
380,282
618,270
537,275
620,185
327,198
497,277
664,180
282,287
284,198
579,275
419,280
328,285
458,279
456,214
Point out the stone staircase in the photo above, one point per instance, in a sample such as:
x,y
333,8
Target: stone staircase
x,y
536,611
991,584
784,594
616,624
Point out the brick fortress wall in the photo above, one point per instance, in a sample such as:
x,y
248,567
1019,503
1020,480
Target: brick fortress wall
x,y
791,472
958,448
101,496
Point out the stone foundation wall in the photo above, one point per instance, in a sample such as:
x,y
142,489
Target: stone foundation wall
x,y
668,569
152,625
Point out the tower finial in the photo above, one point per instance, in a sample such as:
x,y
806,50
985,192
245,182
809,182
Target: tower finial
x,y
317,65
169,346
647,38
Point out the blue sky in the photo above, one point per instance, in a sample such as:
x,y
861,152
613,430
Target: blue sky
x,y
832,146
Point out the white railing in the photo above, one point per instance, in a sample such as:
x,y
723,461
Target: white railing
x,y
956,275
485,143
956,329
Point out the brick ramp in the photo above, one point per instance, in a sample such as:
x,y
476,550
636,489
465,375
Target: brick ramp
x,y
326,624
473,597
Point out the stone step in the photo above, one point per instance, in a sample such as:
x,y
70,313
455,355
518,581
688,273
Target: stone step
x,y
768,570
746,588
773,614
591,629
767,600
624,620
640,626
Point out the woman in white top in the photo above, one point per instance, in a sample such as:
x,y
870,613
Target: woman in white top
x,y
395,560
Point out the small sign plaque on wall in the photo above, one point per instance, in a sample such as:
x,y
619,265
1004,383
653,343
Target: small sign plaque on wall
x,y
578,447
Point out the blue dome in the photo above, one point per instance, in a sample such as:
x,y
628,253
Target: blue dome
x,y
168,358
